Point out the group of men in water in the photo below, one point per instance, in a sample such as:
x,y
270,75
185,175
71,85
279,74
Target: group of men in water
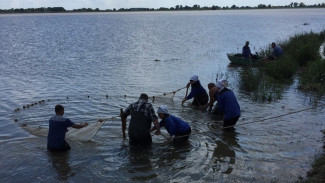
x,y
143,114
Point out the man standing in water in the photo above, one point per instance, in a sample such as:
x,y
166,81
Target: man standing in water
x,y
227,102
142,115
58,128
197,91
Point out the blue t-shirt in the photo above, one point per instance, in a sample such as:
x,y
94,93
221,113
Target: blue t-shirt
x,y
246,51
227,104
277,51
196,89
174,125
57,129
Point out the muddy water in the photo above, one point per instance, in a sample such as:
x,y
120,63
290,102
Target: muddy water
x,y
77,59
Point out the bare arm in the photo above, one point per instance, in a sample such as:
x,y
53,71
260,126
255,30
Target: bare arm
x,y
157,127
212,99
79,125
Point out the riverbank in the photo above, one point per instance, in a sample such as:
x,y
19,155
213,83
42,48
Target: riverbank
x,y
195,7
317,173
303,57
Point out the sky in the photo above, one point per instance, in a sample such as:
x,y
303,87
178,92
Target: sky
x,y
110,4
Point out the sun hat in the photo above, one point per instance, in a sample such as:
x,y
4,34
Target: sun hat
x,y
222,83
163,109
194,78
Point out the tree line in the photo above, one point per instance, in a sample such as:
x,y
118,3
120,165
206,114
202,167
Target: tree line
x,y
176,8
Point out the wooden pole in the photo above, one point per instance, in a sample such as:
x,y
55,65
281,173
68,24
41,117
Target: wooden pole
x,y
123,120
186,91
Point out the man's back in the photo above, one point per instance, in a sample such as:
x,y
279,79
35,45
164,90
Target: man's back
x,y
57,130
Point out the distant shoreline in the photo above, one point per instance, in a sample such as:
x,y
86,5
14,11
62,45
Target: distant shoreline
x,y
176,8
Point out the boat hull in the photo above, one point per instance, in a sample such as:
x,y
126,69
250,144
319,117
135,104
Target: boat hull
x,y
238,59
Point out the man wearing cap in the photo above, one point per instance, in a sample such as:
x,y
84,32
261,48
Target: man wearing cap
x,y
227,102
197,91
178,129
142,115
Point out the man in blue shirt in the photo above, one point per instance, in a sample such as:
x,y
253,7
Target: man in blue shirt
x,y
197,92
227,104
277,51
178,129
246,51
58,127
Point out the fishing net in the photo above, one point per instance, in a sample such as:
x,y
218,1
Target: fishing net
x,y
169,95
82,134
96,106
164,96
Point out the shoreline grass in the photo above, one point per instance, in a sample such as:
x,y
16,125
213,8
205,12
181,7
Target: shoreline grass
x,y
301,56
301,59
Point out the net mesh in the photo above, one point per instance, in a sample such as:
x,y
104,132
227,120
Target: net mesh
x,y
82,134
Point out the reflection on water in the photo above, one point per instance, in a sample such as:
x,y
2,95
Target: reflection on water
x,y
140,163
60,162
224,156
260,87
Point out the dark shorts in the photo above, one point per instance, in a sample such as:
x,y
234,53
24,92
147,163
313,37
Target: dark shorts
x,y
230,122
66,147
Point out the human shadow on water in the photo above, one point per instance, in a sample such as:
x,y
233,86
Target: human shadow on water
x,y
224,156
140,163
60,162
144,160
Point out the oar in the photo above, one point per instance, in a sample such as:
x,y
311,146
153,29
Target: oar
x,y
123,120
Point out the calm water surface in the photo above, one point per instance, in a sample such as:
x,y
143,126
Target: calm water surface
x,y
87,56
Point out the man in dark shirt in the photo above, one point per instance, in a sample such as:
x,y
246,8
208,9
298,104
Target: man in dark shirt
x,y
142,115
58,127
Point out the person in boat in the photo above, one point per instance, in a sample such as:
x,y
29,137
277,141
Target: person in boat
x,y
179,130
197,92
227,104
276,52
142,115
57,129
246,51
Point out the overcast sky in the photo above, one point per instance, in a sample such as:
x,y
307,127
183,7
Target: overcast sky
x,y
110,4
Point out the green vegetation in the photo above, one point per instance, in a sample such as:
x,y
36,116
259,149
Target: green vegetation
x,y
261,87
317,174
301,58
176,8
301,52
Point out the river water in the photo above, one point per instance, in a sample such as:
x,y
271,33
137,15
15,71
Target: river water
x,y
78,59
